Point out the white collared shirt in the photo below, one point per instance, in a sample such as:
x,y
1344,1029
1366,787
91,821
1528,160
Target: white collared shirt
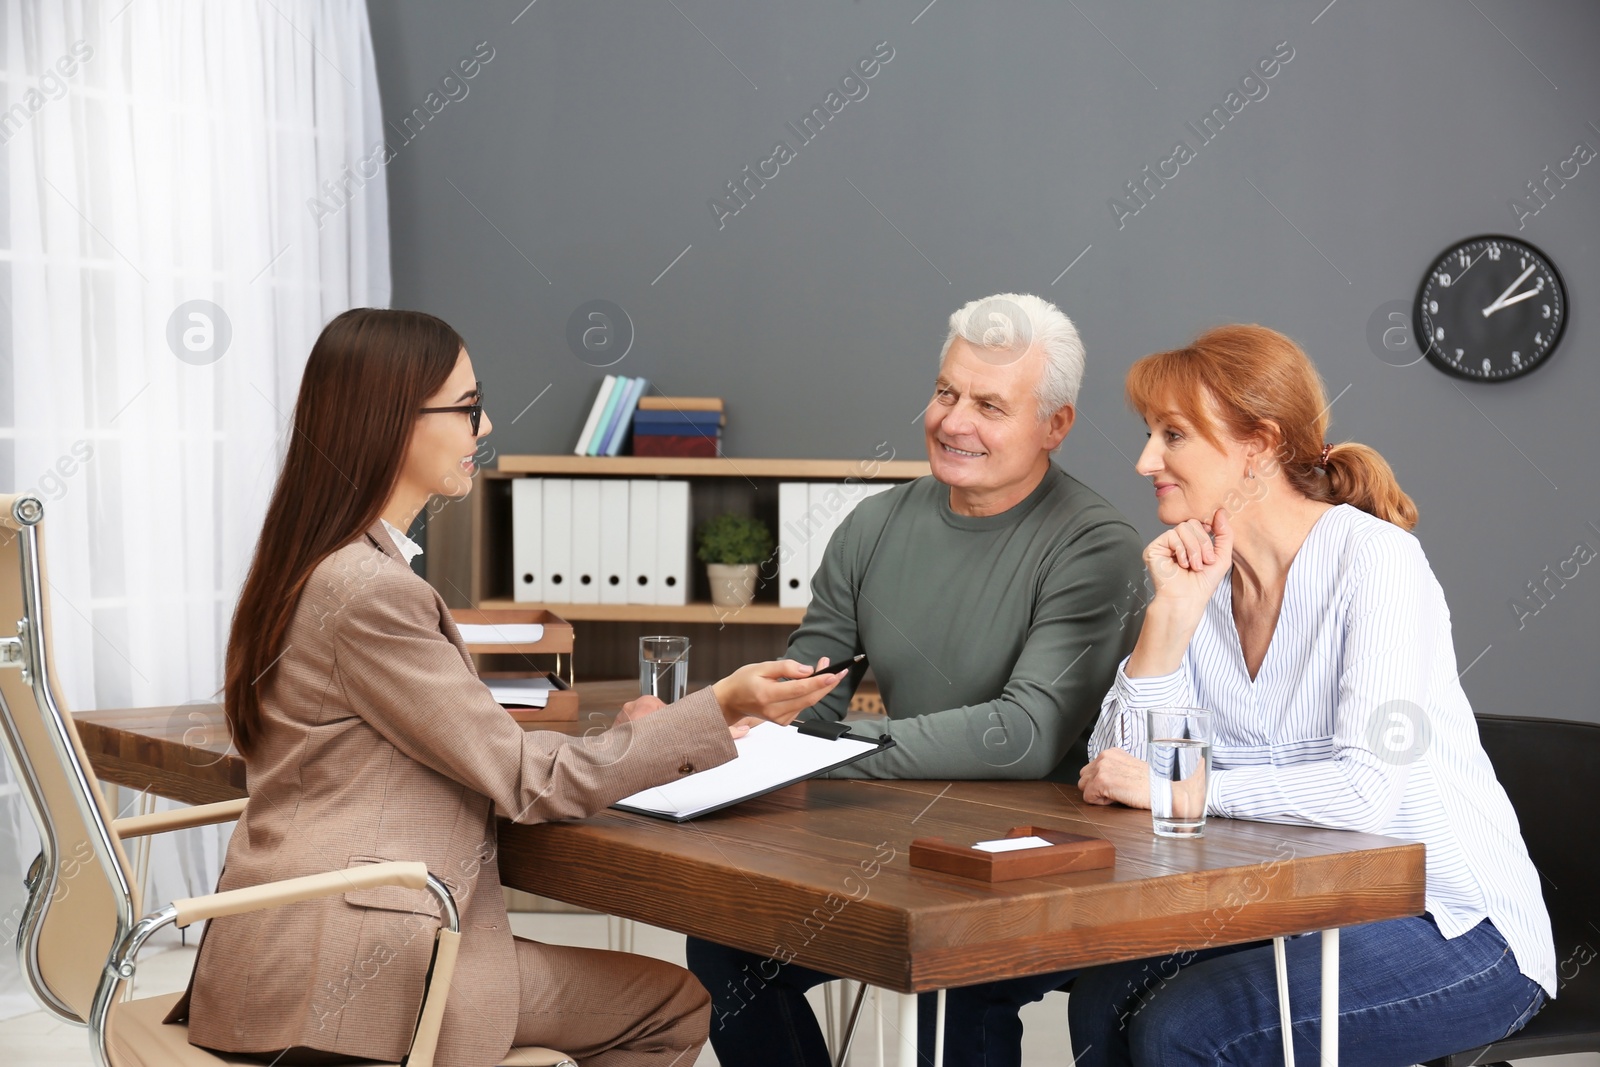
x,y
407,547
1356,720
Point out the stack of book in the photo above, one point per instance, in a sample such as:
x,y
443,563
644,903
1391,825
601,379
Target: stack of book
x,y
608,421
678,426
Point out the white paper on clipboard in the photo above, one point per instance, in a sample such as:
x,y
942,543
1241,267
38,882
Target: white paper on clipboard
x,y
770,757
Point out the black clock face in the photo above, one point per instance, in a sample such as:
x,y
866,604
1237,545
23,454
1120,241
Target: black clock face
x,y
1489,309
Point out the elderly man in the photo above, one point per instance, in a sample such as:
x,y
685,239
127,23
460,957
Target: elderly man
x,y
990,600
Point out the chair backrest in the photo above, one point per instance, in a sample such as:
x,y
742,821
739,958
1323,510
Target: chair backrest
x,y
81,897
1550,769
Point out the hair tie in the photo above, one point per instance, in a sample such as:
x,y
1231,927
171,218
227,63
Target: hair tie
x,y
1323,461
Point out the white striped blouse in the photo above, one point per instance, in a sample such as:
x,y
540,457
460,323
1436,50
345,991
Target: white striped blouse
x,y
1356,720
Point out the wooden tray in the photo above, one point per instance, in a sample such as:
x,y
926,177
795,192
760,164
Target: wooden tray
x,y
510,660
1070,852
557,631
561,707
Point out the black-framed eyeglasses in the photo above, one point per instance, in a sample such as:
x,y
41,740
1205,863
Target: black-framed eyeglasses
x,y
474,410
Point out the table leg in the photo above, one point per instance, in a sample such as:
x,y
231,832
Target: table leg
x,y
1330,998
938,1033
850,1026
1281,964
830,1033
877,1026
908,1030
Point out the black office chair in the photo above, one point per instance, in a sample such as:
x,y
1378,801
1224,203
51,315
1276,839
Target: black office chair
x,y
1550,770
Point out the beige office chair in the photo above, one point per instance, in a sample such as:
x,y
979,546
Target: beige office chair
x,y
81,929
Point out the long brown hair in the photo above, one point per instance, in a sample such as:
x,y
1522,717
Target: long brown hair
x,y
1265,386
368,373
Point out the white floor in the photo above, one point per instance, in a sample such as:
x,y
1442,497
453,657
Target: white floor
x,y
37,1040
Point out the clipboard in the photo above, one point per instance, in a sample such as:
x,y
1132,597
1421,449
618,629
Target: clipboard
x,y
770,757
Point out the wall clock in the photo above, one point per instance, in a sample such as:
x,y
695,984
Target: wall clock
x,y
1490,309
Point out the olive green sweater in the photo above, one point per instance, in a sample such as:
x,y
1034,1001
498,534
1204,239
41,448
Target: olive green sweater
x,y
993,639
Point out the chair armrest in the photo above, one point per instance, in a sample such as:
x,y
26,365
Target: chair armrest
x,y
159,822
290,890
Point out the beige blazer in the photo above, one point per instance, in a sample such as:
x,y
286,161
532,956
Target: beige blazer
x,y
380,743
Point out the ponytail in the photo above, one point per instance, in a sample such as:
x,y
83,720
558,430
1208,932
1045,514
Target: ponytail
x,y
1360,476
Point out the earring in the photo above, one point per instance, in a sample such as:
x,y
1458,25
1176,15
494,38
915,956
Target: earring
x,y
1250,472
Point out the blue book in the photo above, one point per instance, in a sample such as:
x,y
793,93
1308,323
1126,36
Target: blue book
x,y
625,415
607,417
699,419
683,430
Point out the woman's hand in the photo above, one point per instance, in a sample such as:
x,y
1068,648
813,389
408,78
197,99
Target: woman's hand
x,y
635,710
776,690
744,726
1114,777
1188,562
1186,565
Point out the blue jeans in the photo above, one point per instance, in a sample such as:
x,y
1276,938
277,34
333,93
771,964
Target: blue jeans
x,y
1406,995
760,1018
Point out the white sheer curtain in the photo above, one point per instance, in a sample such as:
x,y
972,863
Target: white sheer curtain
x,y
159,153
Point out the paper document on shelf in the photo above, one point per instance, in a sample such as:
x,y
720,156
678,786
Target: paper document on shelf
x,y
505,633
770,757
1012,844
521,692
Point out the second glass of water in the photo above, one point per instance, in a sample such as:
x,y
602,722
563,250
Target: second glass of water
x,y
664,668
1180,756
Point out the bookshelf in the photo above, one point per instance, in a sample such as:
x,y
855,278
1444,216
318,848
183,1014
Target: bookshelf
x,y
469,554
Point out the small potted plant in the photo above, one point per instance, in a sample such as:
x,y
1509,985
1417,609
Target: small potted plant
x,y
732,548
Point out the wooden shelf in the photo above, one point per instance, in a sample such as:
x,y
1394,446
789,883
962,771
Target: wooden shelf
x,y
723,467
755,614
469,553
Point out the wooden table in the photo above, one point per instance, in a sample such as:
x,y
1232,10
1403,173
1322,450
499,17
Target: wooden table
x,y
818,872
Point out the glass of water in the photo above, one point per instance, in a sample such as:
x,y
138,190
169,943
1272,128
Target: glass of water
x,y
664,668
1180,755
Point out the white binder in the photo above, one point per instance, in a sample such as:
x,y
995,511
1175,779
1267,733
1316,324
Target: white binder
x,y
830,502
673,573
641,580
585,541
794,571
527,539
558,541
613,541
872,489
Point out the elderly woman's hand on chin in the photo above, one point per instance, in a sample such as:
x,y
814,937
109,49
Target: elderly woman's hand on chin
x,y
1188,562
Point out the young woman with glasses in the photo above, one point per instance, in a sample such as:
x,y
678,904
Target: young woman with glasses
x,y
367,736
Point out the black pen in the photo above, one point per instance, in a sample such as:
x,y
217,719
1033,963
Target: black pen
x,y
835,668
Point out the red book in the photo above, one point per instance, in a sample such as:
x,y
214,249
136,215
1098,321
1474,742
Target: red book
x,y
677,445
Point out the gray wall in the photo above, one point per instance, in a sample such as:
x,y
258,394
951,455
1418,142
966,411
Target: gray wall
x,y
982,159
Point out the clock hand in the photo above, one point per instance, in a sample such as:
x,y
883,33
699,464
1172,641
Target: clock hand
x,y
1500,301
1513,300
